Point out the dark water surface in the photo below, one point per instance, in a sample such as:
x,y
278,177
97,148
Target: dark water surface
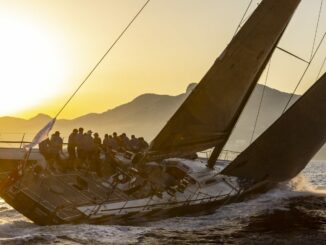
x,y
293,213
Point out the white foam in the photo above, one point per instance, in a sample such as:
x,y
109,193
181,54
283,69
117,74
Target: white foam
x,y
302,184
275,199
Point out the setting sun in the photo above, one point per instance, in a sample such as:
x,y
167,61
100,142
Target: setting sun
x,y
31,61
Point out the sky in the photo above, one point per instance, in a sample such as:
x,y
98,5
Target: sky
x,y
48,47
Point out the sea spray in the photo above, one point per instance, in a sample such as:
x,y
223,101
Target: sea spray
x,y
301,183
307,182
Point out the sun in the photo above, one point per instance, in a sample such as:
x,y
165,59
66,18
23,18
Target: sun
x,y
31,63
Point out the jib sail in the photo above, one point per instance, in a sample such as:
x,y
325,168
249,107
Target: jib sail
x,y
278,156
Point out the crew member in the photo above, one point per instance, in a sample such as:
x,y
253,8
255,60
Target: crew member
x,y
88,145
79,144
134,144
56,145
124,142
109,147
96,162
143,144
45,148
72,144
117,141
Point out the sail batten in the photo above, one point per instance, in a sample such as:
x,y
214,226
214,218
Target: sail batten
x,y
279,156
208,115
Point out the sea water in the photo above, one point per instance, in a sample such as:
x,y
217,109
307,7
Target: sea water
x,y
292,213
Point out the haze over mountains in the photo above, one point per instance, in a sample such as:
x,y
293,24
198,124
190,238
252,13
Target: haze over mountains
x,y
148,113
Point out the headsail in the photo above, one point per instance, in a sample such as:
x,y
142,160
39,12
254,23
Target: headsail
x,y
41,135
208,115
285,148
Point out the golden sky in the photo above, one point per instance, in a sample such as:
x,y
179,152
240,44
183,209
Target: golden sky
x,y
47,47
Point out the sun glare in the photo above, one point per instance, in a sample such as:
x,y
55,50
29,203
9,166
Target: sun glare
x,y
32,64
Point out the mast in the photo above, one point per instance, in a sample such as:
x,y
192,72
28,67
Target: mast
x,y
213,158
208,116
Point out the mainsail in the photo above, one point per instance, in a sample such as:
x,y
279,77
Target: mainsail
x,y
208,115
278,156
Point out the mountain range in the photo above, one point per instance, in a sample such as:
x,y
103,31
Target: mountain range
x,y
148,113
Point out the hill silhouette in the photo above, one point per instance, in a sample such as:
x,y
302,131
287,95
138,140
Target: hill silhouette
x,y
148,113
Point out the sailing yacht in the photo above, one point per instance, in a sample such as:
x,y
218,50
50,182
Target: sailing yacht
x,y
161,182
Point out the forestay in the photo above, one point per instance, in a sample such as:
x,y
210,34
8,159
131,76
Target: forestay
x,y
284,149
208,115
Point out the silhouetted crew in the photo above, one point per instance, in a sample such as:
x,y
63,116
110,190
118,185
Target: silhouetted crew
x,y
117,140
97,140
56,145
143,144
112,143
110,146
96,162
97,146
124,142
79,143
88,145
45,148
105,143
109,143
72,144
134,144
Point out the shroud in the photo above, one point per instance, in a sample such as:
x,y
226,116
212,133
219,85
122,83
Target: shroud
x,y
208,115
287,146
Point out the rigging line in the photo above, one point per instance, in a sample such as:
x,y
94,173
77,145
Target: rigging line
x,y
311,57
247,18
304,73
261,101
99,62
295,56
317,25
243,16
313,45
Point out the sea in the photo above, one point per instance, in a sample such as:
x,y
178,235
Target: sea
x,y
292,213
